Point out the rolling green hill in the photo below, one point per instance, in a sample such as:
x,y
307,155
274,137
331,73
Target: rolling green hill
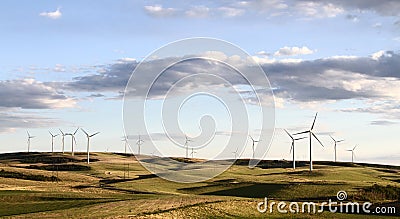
x,y
41,185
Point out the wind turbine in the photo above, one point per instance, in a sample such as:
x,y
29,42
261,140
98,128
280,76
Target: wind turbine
x,y
88,141
334,140
52,141
29,140
193,152
63,138
125,139
292,147
72,140
235,153
139,143
254,141
352,153
311,134
187,140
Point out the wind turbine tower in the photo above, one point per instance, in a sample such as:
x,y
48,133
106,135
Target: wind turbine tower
x,y
352,153
253,144
292,147
88,142
29,140
139,143
311,134
334,140
52,141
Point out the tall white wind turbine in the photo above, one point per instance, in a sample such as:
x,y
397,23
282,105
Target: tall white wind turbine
x,y
253,144
352,153
235,153
311,134
193,152
292,147
62,140
336,141
139,142
29,140
88,142
187,140
52,141
73,140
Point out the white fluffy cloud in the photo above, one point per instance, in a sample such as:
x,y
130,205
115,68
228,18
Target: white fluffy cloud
x,y
293,51
159,10
52,14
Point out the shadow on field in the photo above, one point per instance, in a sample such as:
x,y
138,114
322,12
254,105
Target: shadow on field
x,y
44,158
259,190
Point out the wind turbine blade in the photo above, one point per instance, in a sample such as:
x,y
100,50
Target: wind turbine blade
x,y
76,130
299,138
291,147
317,139
288,134
56,135
340,141
28,134
94,134
61,132
315,118
349,150
51,134
354,147
85,132
333,138
251,138
301,133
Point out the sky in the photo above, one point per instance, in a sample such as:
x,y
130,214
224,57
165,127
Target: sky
x,y
65,64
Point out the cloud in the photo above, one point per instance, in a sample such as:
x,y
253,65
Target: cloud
x,y
352,17
383,122
31,94
293,51
372,79
10,121
160,11
382,7
318,9
53,14
231,12
198,12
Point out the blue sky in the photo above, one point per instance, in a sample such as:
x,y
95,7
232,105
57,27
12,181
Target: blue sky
x,y
64,64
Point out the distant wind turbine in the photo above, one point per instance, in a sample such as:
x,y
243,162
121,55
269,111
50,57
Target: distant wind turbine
x,y
187,140
52,141
311,134
253,141
235,153
139,142
63,138
292,147
88,142
352,153
29,140
193,152
334,140
73,140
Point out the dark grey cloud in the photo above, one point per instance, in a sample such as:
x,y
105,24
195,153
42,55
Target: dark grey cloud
x,y
304,81
31,94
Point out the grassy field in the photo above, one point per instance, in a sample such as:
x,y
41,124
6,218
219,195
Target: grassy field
x,y
41,185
